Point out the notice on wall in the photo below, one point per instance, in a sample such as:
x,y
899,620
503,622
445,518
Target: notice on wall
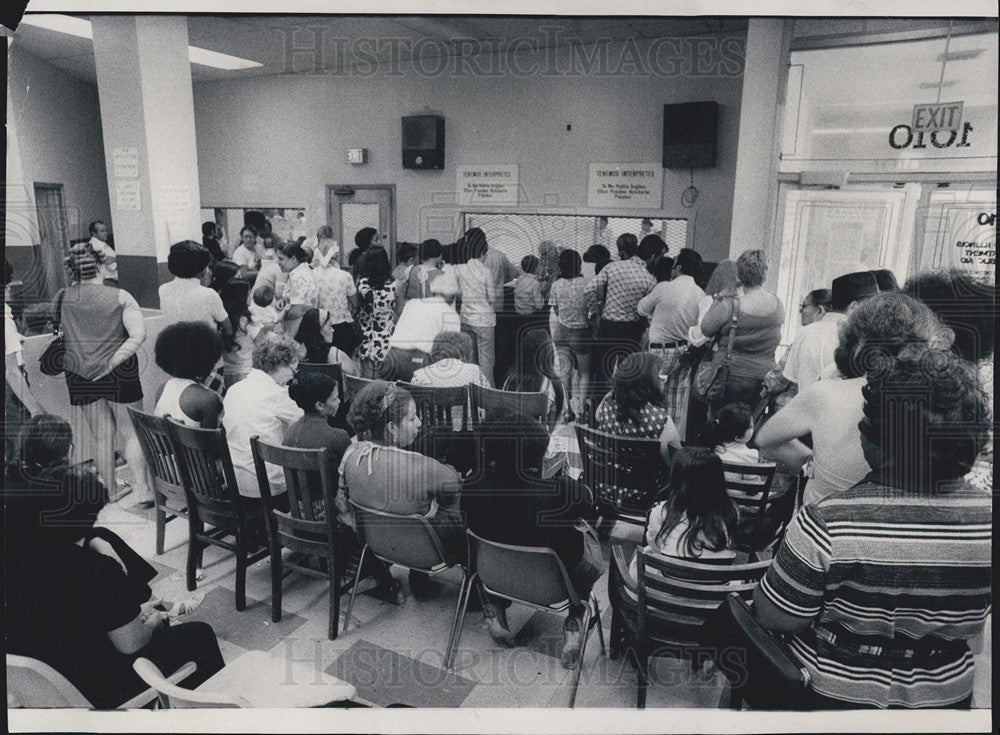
x,y
176,209
961,234
127,196
625,185
487,185
125,162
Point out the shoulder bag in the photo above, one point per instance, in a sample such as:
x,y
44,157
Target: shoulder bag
x,y
712,375
53,360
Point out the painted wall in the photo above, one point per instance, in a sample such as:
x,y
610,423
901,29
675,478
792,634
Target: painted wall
x,y
278,141
58,126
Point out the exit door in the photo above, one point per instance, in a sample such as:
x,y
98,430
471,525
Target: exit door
x,y
354,207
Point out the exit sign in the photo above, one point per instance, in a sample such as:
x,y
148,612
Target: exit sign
x,y
937,116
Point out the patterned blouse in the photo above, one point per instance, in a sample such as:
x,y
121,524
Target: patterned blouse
x,y
569,297
378,320
653,420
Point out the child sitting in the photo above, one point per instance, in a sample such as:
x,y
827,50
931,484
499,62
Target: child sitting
x,y
527,288
264,309
697,519
728,434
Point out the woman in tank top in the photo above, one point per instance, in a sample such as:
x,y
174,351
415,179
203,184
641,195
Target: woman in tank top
x,y
187,352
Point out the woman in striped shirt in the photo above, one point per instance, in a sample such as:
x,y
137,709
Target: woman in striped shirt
x,y
885,584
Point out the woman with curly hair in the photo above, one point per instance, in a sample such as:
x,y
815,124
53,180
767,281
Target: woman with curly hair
x,y
379,472
188,352
879,328
885,584
634,407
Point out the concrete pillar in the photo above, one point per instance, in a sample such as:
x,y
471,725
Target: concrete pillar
x,y
755,189
147,117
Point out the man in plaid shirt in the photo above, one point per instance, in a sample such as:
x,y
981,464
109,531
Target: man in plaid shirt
x,y
616,292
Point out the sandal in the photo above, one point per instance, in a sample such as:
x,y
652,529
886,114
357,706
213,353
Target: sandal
x,y
496,621
572,641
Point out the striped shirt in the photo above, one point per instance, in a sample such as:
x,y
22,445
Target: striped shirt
x,y
875,567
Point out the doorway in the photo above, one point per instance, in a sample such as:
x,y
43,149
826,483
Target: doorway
x,y
52,230
351,208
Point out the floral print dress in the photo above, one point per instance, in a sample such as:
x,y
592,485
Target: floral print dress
x,y
378,320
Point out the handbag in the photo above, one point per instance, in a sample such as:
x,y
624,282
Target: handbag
x,y
53,360
759,666
712,375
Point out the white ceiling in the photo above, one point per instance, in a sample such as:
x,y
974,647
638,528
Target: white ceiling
x,y
264,38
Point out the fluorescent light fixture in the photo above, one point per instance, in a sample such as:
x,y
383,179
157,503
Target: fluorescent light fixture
x,y
971,53
846,131
936,85
82,28
61,23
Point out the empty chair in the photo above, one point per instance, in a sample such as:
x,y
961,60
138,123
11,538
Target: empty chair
x,y
214,499
353,384
441,408
763,516
253,680
36,685
158,449
489,401
624,473
309,526
532,576
411,542
675,596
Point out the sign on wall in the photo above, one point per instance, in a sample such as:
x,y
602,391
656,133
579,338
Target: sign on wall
x,y
961,233
487,184
625,185
125,162
937,116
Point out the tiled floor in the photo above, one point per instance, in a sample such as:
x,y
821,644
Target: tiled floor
x,y
395,655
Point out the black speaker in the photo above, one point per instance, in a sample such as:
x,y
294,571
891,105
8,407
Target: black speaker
x,y
689,133
423,141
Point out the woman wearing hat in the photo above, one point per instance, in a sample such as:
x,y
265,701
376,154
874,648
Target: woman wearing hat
x,y
102,329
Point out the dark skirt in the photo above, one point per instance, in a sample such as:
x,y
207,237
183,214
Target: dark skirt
x,y
121,385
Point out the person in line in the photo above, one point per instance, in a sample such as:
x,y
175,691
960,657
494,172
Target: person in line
x,y
651,250
407,256
315,334
259,405
381,473
184,298
879,329
74,591
759,315
672,309
663,269
245,254
634,406
377,311
365,238
534,371
237,354
512,504
479,297
269,271
548,266
210,235
968,307
19,400
103,328
810,353
104,252
418,327
571,330
501,270
528,297
722,281
336,292
188,352
325,249
599,255
616,293
431,266
300,293
885,585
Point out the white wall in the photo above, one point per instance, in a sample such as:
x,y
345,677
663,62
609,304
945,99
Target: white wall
x,y
278,141
58,126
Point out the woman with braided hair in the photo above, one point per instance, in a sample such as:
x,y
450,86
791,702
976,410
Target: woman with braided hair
x,y
379,472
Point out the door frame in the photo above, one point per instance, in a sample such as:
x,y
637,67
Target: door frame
x,y
331,199
52,264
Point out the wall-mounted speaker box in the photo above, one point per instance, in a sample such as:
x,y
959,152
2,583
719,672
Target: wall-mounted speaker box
x,y
689,134
423,141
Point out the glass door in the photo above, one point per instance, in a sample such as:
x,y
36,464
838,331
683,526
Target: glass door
x,y
354,207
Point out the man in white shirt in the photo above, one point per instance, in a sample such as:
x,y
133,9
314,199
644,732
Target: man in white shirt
x,y
185,299
479,297
421,321
107,268
812,351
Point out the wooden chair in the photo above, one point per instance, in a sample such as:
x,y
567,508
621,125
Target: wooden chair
x,y
36,685
253,680
353,384
411,542
492,401
310,526
441,408
168,490
536,577
763,517
214,498
325,368
625,473
675,596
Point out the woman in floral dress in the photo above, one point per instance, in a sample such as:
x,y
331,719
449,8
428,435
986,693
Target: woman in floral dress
x,y
377,312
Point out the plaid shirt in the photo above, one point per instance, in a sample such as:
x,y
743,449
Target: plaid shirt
x,y
626,282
